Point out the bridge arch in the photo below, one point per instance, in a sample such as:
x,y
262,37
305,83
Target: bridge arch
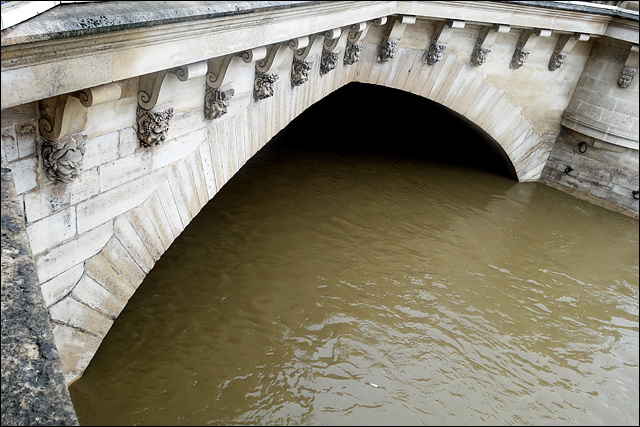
x,y
148,197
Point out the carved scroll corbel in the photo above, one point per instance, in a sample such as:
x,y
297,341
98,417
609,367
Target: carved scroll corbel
x,y
65,114
439,40
354,46
220,78
525,45
393,32
486,37
300,68
630,68
155,94
330,55
62,119
564,45
265,77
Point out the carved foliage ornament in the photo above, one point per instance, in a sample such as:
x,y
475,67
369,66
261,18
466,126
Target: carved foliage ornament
x,y
328,61
352,53
479,56
62,160
153,126
216,102
556,61
518,59
263,85
626,75
387,50
299,72
435,53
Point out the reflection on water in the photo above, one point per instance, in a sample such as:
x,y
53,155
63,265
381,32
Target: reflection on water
x,y
341,288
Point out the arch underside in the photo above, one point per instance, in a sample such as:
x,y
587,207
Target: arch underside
x,y
116,253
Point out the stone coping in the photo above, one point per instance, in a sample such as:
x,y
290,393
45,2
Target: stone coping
x,y
33,386
86,18
576,6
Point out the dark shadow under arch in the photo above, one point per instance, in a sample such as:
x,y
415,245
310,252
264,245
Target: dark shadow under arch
x,y
371,119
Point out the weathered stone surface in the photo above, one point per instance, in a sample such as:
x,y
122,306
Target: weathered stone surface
x,y
58,287
48,200
95,296
52,230
33,386
129,238
122,262
65,256
102,271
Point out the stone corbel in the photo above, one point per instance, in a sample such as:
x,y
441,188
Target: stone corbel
x,y
65,114
155,95
564,45
392,33
354,46
630,68
300,68
221,75
486,37
525,45
330,55
265,77
439,40
62,119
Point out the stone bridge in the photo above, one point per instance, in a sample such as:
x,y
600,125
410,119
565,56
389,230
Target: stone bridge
x,y
121,120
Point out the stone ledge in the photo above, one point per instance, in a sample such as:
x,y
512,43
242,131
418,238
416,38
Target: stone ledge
x,y
33,386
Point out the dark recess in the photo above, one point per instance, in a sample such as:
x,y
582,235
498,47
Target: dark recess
x,y
365,119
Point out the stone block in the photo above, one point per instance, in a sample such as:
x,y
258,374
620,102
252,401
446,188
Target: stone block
x,y
145,228
58,287
90,293
132,242
123,262
198,175
52,230
168,202
102,271
128,141
77,315
64,257
209,172
47,200
177,149
124,170
26,138
112,203
25,174
154,209
189,187
10,143
101,150
179,194
76,349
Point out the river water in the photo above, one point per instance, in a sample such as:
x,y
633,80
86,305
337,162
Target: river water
x,y
350,287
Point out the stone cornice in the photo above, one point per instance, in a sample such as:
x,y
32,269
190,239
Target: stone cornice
x,y
112,53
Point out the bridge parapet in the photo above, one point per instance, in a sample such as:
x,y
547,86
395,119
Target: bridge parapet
x,y
140,123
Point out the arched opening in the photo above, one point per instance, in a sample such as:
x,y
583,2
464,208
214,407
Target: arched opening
x,y
378,120
303,289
